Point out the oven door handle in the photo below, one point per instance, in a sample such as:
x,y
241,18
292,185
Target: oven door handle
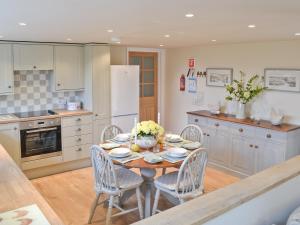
x,y
40,130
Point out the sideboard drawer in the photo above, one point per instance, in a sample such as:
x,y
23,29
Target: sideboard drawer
x,y
242,130
198,120
218,125
271,135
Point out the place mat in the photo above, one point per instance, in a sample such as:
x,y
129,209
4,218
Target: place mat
x,y
133,156
178,144
26,215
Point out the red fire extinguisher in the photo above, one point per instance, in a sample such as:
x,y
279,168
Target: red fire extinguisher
x,y
182,83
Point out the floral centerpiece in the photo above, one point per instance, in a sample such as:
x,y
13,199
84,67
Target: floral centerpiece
x,y
243,92
147,133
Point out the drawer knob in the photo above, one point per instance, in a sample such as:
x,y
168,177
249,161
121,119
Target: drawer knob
x,y
255,146
79,139
269,136
96,114
204,134
79,149
15,128
9,86
207,135
79,129
78,119
34,67
241,130
58,84
196,120
217,124
251,146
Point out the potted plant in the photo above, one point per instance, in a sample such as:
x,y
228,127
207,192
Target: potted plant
x,y
147,133
243,92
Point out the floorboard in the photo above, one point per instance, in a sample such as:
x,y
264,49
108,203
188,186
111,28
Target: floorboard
x,y
70,194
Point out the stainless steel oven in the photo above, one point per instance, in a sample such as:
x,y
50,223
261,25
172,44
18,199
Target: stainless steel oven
x,y
40,139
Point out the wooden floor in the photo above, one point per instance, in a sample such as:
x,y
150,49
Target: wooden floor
x,y
70,194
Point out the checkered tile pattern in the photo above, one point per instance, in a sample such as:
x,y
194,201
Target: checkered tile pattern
x,y
32,92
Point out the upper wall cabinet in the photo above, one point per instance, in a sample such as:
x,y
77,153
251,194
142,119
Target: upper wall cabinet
x,y
33,57
6,70
68,68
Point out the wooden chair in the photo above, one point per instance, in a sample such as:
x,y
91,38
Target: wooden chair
x,y
110,132
185,184
193,133
113,183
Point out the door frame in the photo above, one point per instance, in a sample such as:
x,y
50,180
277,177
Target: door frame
x,y
160,75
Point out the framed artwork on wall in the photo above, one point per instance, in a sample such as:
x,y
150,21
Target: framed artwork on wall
x,y
282,79
219,77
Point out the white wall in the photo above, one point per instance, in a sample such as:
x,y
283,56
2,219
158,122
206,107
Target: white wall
x,y
251,58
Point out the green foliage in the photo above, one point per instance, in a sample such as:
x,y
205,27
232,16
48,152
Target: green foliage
x,y
244,92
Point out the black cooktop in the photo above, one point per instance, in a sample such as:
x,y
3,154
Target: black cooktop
x,y
35,114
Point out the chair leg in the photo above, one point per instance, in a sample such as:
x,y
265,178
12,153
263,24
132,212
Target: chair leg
x,y
139,201
163,172
93,208
108,214
155,204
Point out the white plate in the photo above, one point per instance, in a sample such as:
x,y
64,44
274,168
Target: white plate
x,y
173,138
108,146
153,159
120,152
122,137
192,145
177,152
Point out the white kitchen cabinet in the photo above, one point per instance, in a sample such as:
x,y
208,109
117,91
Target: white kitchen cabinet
x,y
10,139
243,153
6,69
245,149
68,68
33,57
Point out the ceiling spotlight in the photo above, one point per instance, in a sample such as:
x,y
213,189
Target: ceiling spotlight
x,y
167,35
297,34
110,31
251,25
22,24
189,15
161,45
213,40
69,39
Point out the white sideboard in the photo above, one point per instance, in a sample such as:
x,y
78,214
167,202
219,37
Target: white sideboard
x,y
245,147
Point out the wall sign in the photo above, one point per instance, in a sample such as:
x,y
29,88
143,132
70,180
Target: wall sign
x,y
192,63
192,84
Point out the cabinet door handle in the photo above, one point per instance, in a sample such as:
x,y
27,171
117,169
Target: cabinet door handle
x,y
241,130
79,149
58,84
269,136
9,86
255,146
96,114
79,129
15,128
34,67
207,135
196,120
251,146
79,139
78,119
217,124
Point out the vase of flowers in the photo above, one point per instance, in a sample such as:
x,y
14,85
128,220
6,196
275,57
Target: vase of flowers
x,y
243,92
147,133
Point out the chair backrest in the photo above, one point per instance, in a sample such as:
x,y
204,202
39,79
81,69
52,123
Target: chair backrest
x,y
191,173
104,172
192,133
110,132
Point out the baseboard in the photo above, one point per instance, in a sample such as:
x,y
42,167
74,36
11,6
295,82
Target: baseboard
x,y
57,168
227,170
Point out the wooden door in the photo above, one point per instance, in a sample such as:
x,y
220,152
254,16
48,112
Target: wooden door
x,y
148,83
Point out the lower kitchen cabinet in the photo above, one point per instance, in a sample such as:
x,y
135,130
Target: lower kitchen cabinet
x,y
245,149
10,139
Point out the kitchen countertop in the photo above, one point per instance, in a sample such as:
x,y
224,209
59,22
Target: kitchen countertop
x,y
262,123
17,191
60,113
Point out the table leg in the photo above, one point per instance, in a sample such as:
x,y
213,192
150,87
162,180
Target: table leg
x,y
148,175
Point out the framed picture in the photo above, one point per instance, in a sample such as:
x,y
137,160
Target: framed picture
x,y
219,77
282,79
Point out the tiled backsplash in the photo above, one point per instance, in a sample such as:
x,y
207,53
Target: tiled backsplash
x,y
32,92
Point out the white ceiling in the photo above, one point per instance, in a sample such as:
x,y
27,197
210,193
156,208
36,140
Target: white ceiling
x,y
145,22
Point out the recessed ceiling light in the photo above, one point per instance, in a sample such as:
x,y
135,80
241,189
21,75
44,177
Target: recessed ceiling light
x,y
167,35
213,40
297,34
251,25
189,15
22,24
69,39
110,31
161,45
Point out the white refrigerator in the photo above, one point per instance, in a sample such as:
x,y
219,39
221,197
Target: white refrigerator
x,y
124,96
